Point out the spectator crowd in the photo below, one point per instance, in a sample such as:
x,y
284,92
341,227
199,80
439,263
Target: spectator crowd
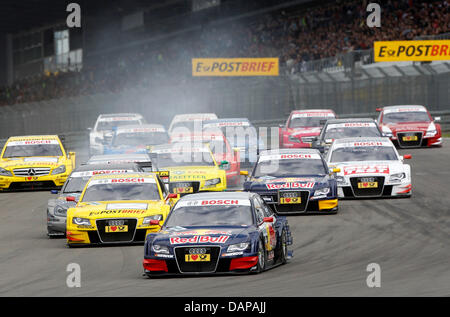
x,y
295,36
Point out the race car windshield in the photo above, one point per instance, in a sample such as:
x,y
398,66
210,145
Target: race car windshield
x,y
306,122
349,132
32,150
190,125
114,192
109,125
210,216
184,159
364,153
410,116
137,139
75,184
283,168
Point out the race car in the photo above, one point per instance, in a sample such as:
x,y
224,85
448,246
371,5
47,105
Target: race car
x,y
369,167
74,185
143,160
302,126
135,139
102,132
220,148
241,134
191,169
345,128
118,208
209,233
410,126
34,162
294,181
190,122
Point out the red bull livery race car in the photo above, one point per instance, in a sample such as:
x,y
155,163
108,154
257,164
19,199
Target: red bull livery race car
x,y
226,232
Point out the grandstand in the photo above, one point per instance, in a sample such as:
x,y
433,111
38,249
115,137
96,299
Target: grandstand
x,y
108,57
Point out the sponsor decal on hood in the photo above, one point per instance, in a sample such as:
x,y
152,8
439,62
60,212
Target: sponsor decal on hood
x,y
366,169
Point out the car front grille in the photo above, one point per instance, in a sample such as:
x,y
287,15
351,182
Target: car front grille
x,y
293,208
31,171
118,237
195,185
197,267
363,192
406,144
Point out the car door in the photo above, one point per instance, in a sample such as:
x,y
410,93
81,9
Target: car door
x,y
268,229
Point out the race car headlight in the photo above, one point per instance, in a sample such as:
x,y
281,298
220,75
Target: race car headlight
x,y
59,170
397,177
238,247
81,221
430,133
322,191
387,132
292,138
4,172
160,249
341,180
60,211
154,217
212,182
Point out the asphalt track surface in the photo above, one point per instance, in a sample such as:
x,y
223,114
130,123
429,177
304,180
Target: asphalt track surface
x,y
408,238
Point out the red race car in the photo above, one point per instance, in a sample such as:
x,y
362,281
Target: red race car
x,y
220,148
410,126
302,126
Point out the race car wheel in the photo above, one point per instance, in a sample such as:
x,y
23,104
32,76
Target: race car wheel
x,y
283,247
261,266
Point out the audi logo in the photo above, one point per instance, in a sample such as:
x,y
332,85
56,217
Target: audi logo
x,y
289,195
116,222
197,251
367,180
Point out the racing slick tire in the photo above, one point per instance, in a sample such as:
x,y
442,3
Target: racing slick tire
x,y
283,252
262,257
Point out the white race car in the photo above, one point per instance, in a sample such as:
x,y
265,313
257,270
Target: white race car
x,y
190,121
103,130
369,168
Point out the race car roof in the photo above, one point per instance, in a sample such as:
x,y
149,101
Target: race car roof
x,y
332,121
226,120
120,157
177,147
34,137
125,175
141,127
218,195
194,116
384,140
104,166
311,110
403,107
289,151
113,115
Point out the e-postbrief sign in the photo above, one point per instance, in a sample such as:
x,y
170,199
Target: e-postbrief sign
x,y
235,67
414,51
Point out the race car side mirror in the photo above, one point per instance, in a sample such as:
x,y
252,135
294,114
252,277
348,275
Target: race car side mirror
x,y
437,119
268,219
71,198
172,195
336,170
378,109
54,191
244,173
407,156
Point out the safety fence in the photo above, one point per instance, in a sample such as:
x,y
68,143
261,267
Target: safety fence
x,y
357,92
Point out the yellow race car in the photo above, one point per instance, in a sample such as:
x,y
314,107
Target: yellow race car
x,y
31,162
119,208
191,169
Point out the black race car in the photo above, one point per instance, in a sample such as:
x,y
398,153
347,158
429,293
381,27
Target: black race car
x,y
294,181
225,232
